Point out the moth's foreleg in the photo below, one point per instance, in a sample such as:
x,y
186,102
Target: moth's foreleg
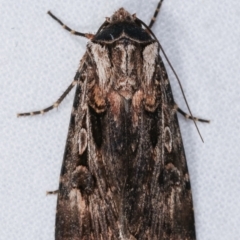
x,y
55,105
52,192
189,116
155,14
86,35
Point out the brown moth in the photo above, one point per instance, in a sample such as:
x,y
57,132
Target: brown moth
x,y
124,172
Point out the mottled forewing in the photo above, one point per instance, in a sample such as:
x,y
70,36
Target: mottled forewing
x,y
176,219
75,178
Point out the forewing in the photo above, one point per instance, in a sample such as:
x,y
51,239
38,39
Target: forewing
x,y
72,221
86,207
175,212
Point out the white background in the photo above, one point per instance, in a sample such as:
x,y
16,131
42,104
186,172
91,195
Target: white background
x,y
38,60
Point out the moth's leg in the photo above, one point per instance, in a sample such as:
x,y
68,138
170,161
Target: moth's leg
x,y
189,116
86,35
55,105
52,192
155,14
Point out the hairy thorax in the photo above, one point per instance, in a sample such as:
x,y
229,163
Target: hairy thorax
x,y
125,69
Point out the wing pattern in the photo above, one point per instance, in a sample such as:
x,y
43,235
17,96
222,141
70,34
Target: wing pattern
x,y
124,174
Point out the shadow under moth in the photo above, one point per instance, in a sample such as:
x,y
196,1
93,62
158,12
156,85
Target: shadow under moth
x,y
124,173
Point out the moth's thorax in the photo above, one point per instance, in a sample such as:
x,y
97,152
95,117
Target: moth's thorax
x,y
124,66
125,71
124,54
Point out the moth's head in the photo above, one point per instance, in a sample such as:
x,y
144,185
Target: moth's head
x,y
121,15
122,25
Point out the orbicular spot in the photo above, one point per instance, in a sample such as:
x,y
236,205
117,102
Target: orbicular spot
x,y
82,141
168,139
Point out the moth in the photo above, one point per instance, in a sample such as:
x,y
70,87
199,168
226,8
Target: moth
x,y
124,173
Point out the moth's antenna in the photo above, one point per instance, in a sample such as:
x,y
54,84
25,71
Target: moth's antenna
x,y
179,82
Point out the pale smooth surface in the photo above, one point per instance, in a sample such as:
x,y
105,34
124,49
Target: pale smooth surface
x,y
38,60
